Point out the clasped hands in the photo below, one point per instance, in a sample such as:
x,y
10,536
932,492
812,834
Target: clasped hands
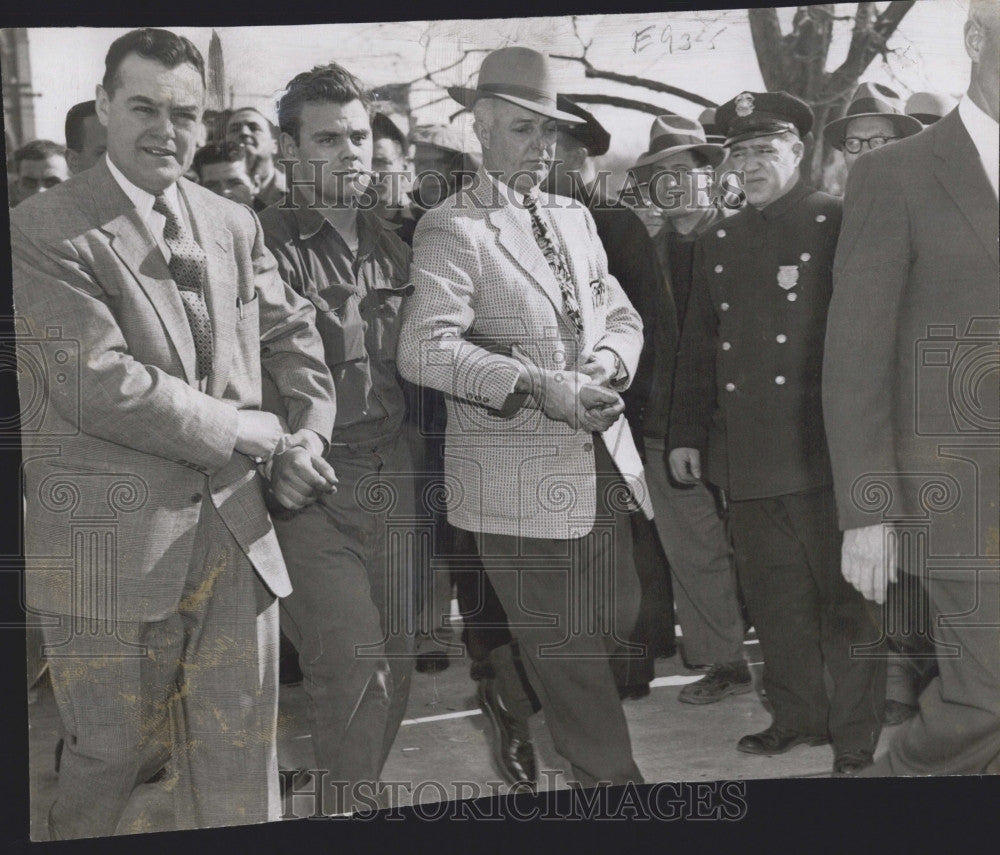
x,y
292,462
581,398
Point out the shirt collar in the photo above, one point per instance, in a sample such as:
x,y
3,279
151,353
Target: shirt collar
x,y
370,227
977,123
711,215
143,200
983,130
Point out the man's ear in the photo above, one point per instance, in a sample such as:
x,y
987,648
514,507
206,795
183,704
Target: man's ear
x,y
288,147
102,101
973,40
799,150
482,133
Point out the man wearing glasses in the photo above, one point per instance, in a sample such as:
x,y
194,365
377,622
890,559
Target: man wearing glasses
x,y
873,119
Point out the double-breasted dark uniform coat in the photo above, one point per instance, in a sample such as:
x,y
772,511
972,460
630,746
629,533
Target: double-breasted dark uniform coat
x,y
747,394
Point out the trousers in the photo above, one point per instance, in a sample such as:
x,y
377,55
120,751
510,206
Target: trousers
x,y
205,679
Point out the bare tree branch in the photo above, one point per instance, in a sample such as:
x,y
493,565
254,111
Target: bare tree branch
x,y
616,101
576,32
765,30
868,41
633,80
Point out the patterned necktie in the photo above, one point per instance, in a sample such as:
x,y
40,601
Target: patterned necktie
x,y
189,267
556,261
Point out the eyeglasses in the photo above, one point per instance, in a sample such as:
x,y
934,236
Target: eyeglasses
x,y
854,145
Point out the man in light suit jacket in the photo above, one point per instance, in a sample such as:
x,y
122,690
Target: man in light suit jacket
x,y
911,403
515,317
147,308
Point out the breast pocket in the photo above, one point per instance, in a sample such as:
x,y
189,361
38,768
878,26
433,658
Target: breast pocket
x,y
339,322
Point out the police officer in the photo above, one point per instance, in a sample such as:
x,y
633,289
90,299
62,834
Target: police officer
x,y
747,404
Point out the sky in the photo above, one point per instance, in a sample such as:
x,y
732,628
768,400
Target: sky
x,y
709,53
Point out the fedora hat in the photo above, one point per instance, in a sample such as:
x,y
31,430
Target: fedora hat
x,y
872,99
591,133
384,127
671,134
707,121
928,107
519,75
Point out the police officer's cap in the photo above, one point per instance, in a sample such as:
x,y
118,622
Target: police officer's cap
x,y
758,114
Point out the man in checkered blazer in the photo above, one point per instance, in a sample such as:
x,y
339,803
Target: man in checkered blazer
x,y
515,317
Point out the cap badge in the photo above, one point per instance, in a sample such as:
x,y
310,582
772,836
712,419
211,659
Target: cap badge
x,y
744,104
788,276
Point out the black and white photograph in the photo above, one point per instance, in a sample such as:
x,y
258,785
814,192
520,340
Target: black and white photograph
x,y
567,417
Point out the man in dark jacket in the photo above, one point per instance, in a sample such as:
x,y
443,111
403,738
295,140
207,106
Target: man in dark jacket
x,y
747,396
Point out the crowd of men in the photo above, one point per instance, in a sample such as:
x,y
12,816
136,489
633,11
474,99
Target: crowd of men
x,y
289,403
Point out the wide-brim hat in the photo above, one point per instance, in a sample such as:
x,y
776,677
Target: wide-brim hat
x,y
671,134
759,114
589,132
871,100
444,137
384,127
519,75
928,107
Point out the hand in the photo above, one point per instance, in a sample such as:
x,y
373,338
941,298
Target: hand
x,y
868,560
685,465
558,393
601,366
601,408
299,477
257,433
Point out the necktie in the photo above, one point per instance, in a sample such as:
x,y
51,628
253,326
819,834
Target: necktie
x,y
556,261
189,267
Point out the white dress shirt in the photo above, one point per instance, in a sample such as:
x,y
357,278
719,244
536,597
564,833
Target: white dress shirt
x,y
144,200
985,134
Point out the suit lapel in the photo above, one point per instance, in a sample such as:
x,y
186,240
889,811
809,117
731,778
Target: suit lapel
x,y
522,247
960,171
133,243
220,290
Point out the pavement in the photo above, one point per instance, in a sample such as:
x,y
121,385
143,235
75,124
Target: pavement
x,y
442,751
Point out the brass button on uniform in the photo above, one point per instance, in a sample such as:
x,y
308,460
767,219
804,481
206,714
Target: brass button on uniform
x,y
781,338
730,387
718,268
780,380
792,296
726,345
724,307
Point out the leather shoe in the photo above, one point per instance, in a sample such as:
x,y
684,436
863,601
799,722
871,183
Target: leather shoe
x,y
432,662
512,747
727,678
896,712
849,763
776,740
